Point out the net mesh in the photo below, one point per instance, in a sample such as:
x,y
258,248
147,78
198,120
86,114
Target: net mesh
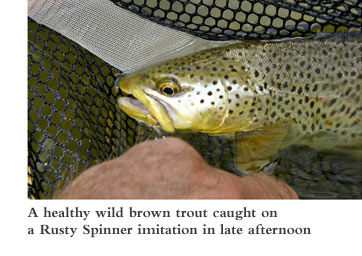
x,y
73,119
234,19
74,122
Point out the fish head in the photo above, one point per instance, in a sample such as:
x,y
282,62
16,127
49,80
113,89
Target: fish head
x,y
175,95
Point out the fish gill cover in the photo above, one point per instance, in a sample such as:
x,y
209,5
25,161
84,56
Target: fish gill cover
x,y
74,121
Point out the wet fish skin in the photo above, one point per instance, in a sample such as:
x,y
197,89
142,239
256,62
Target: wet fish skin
x,y
313,86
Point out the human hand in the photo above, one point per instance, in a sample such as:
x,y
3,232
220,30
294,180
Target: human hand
x,y
170,169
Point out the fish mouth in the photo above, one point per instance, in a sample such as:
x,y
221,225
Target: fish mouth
x,y
146,109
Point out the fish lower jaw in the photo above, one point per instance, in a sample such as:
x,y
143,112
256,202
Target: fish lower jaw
x,y
137,110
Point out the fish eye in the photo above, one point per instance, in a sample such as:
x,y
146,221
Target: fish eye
x,y
168,88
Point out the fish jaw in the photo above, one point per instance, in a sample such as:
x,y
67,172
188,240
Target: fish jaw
x,y
143,108
146,109
137,110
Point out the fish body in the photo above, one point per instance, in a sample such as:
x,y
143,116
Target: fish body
x,y
267,95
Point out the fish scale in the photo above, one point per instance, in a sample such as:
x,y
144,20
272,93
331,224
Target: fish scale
x,y
315,92
267,95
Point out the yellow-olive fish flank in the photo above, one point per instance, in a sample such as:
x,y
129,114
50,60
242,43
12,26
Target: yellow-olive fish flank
x,y
267,95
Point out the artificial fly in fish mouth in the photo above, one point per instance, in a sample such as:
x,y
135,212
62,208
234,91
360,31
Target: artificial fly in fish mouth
x,y
266,95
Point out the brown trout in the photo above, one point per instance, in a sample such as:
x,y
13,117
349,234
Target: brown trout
x,y
266,95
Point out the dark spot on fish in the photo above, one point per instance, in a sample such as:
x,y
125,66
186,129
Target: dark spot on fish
x,y
209,93
198,67
324,115
280,99
230,111
285,84
218,89
306,99
273,114
318,111
234,81
352,114
243,68
226,77
201,101
304,127
293,88
273,103
201,77
339,75
237,105
300,90
317,70
287,67
348,91
214,82
267,69
287,114
237,95
246,102
302,63
311,104
256,73
277,76
192,76
315,87
306,87
331,102
229,88
353,73
214,69
343,132
242,112
301,74
246,89
212,103
229,100
220,97
299,112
